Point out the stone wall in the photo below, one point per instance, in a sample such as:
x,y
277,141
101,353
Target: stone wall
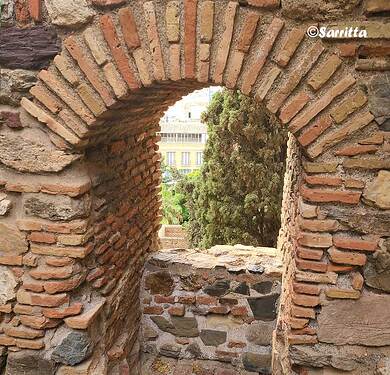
x,y
219,304
82,87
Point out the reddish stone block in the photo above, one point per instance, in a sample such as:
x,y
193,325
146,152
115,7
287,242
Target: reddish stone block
x,y
302,339
21,11
34,7
190,7
289,110
129,28
247,32
223,310
239,311
177,310
164,299
306,300
328,196
187,300
206,300
10,119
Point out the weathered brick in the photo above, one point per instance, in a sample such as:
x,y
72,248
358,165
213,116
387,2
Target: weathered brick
x,y
30,344
318,240
267,83
153,310
298,323
306,300
312,254
224,45
250,75
66,68
206,300
223,310
23,332
122,62
77,188
129,28
290,45
353,243
320,104
319,167
302,339
174,62
73,122
357,280
52,287
11,260
187,300
347,257
339,268
42,237
326,225
177,310
357,150
324,180
361,163
347,49
164,299
336,136
320,278
206,21
308,265
288,86
310,134
348,106
353,183
172,19
342,293
44,272
324,72
247,32
306,288
375,139
73,252
140,61
60,313
91,99
84,320
327,196
99,53
108,3
303,312
308,211
304,331
34,8
43,95
154,41
52,124
41,299
264,3
87,67
190,7
234,68
289,110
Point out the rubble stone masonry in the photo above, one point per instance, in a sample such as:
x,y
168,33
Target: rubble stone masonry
x,y
83,85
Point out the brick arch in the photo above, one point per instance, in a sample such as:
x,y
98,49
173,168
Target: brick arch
x,y
104,94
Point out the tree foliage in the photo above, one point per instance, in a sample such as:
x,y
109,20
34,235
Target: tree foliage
x,y
237,196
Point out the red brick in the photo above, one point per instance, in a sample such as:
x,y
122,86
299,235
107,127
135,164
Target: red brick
x,y
289,110
310,254
58,261
302,339
108,3
239,311
190,7
11,260
327,196
84,320
41,299
7,309
88,68
234,68
264,3
177,310
324,72
347,257
154,40
60,313
34,7
311,265
298,323
48,272
319,126
224,45
314,225
352,243
49,101
129,28
318,240
250,76
23,332
303,312
357,150
337,268
306,300
164,299
42,237
290,45
52,287
219,310
247,32
30,344
304,331
206,300
122,62
354,184
320,104
21,11
306,288
36,322
347,49
324,180
153,310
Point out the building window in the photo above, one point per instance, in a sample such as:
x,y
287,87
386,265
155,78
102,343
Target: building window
x,y
199,158
171,156
185,159
189,114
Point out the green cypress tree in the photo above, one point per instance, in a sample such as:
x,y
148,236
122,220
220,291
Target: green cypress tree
x,y
237,197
